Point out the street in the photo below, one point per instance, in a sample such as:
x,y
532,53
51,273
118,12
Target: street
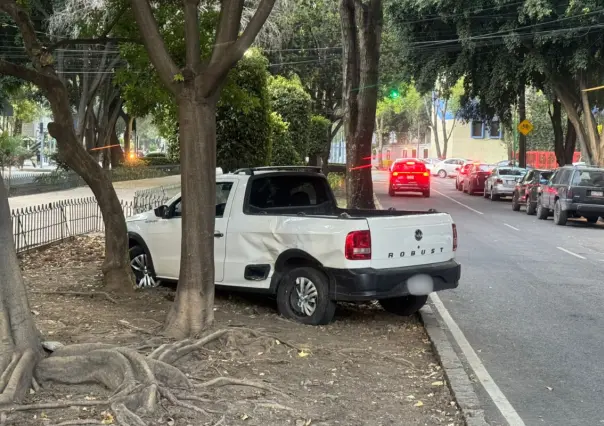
x,y
529,303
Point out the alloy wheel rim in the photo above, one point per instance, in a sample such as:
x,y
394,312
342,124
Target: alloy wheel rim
x,y
140,267
305,296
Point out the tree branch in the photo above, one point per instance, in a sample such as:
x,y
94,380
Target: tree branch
x,y
87,41
155,45
217,71
24,73
229,23
192,40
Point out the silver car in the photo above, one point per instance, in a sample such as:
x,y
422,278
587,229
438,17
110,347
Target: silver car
x,y
502,181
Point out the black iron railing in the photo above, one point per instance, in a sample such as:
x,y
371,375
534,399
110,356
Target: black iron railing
x,y
38,226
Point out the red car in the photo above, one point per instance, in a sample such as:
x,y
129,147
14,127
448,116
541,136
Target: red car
x,y
476,177
461,174
409,175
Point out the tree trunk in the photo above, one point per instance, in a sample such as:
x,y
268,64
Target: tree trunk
x,y
20,346
128,134
117,274
521,118
117,155
361,34
556,118
570,106
443,123
570,143
380,141
192,310
18,130
434,118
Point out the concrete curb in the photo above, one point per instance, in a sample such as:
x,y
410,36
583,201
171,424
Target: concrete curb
x,y
457,378
460,384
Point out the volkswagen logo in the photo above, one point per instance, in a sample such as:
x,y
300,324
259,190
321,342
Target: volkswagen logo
x,y
419,234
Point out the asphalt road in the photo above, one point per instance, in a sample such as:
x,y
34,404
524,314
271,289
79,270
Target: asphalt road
x,y
530,302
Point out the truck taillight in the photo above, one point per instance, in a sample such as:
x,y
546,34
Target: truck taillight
x,y
358,245
426,174
454,237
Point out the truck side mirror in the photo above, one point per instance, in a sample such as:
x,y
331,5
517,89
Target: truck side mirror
x,y
161,211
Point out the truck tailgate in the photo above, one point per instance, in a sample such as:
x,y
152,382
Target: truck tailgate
x,y
418,239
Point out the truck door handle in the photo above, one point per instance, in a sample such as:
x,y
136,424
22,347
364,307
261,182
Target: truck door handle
x,y
218,234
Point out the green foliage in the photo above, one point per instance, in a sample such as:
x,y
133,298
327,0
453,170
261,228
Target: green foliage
x,y
243,126
282,150
293,104
337,182
318,134
537,111
11,148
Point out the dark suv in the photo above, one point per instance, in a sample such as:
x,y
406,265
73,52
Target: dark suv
x,y
572,191
527,190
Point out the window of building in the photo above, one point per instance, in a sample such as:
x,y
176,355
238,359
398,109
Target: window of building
x,y
477,129
404,153
414,153
495,129
425,153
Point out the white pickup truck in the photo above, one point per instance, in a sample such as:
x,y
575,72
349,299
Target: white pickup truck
x,y
279,231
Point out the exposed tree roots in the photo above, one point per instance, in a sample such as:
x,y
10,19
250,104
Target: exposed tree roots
x,y
137,382
79,293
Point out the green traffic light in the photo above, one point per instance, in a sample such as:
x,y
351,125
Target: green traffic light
x,y
394,94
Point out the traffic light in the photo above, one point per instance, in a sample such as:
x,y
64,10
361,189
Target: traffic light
x,y
394,93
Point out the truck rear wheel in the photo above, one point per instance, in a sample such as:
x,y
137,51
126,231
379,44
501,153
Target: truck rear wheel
x,y
303,296
405,305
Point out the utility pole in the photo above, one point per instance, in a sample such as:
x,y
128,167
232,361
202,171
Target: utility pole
x,y
521,118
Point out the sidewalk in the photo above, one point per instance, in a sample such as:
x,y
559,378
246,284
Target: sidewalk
x,y
125,191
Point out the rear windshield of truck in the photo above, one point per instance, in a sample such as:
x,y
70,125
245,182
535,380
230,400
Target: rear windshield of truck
x,y
588,178
512,172
409,166
281,192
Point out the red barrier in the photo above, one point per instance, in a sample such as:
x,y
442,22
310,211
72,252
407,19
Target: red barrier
x,y
546,159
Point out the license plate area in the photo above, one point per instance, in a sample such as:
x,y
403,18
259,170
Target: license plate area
x,y
596,193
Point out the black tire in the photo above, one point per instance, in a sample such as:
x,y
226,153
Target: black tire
x,y
560,216
426,194
591,219
464,188
142,269
531,208
404,306
494,197
324,308
471,189
391,191
515,203
485,194
456,185
542,212
442,173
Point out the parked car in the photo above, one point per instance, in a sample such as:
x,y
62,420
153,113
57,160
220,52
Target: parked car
x,y
279,231
502,181
448,167
409,175
510,163
527,190
475,178
461,174
572,192
430,163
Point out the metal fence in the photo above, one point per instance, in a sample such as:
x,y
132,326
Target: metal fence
x,y
148,199
36,183
38,226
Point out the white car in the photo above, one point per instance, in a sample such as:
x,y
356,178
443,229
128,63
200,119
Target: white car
x,y
448,167
279,231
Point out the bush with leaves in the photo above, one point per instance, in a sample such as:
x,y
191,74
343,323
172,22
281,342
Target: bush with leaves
x,y
318,134
282,150
294,105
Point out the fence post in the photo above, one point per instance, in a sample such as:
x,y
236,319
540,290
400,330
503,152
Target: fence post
x,y
20,226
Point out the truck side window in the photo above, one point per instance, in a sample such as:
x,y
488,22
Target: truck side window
x,y
223,189
287,191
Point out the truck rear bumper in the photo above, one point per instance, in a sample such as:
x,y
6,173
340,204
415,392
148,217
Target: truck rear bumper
x,y
584,208
353,285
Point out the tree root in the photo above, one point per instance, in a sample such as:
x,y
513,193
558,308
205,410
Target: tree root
x,y
79,293
226,381
137,382
79,422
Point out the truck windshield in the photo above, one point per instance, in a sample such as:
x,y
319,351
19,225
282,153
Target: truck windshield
x,y
274,192
512,172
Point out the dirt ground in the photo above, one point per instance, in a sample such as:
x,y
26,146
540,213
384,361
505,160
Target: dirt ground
x,y
367,368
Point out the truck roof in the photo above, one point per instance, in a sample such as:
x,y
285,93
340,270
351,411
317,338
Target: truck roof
x,y
266,169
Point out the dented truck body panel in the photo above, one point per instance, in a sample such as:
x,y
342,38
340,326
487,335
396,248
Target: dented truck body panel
x,y
248,245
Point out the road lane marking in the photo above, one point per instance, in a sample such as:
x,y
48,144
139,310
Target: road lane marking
x,y
513,227
498,398
455,201
571,253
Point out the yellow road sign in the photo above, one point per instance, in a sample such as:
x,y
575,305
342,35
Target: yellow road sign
x,y
525,127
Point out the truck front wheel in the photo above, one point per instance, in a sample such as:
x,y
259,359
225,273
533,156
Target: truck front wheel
x,y
405,305
303,296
